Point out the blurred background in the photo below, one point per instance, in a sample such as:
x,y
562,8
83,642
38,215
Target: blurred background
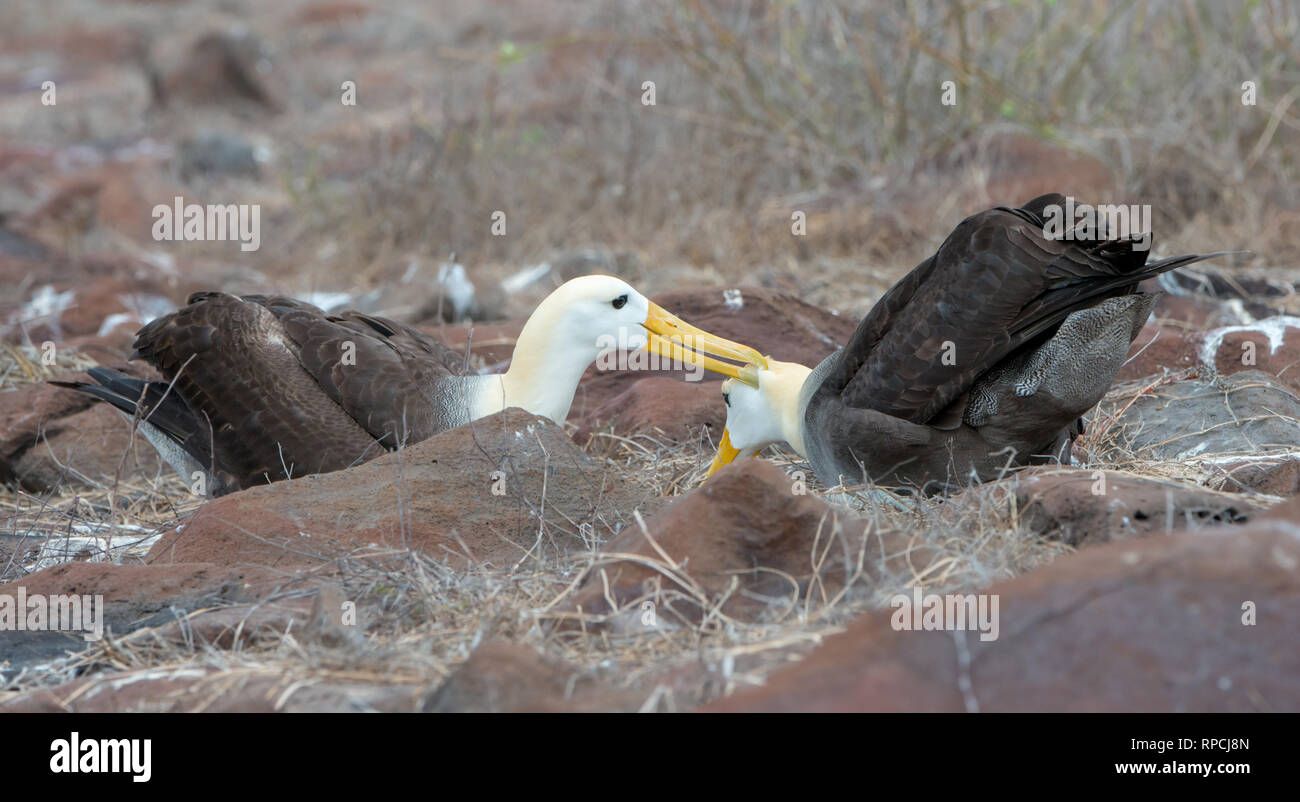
x,y
535,109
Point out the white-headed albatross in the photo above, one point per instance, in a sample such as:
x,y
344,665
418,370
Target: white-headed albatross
x,y
984,356
260,388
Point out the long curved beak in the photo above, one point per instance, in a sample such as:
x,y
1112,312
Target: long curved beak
x,y
678,340
726,453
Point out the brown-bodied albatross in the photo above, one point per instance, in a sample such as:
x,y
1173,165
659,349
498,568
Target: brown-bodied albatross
x,y
984,356
261,388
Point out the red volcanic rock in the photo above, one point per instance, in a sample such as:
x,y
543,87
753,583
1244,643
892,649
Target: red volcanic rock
x,y
132,592
1088,507
149,583
1194,312
90,448
504,677
223,68
1202,298
49,434
89,306
139,597
676,410
748,539
331,13
115,345
1020,167
67,211
126,204
1158,624
1161,348
95,301
1271,346
778,325
25,411
503,489
113,197
1286,511
1275,475
490,344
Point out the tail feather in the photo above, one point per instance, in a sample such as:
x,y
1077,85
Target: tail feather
x,y
1057,305
153,403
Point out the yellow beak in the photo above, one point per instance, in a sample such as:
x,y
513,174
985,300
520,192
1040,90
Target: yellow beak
x,y
726,453
678,340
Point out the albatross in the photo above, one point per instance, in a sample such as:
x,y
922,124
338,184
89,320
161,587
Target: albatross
x,y
261,388
985,356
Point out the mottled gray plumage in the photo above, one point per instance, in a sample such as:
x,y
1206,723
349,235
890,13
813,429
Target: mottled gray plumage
x,y
1071,369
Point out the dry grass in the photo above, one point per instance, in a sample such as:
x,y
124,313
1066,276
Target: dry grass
x,y
24,364
116,525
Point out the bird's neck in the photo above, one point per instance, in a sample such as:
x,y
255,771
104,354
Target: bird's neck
x,y
546,367
785,389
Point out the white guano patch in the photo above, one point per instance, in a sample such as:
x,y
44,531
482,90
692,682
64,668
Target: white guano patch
x,y
1274,328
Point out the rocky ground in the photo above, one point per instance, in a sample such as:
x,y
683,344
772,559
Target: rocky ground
x,y
424,579
474,592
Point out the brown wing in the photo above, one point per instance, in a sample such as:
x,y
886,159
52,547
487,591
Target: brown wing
x,y
996,284
379,371
269,376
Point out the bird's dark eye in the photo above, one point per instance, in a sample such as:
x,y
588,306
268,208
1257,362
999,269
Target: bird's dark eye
x,y
726,399
620,301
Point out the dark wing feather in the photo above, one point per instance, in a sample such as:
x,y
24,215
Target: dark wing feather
x,y
380,372
428,356
152,402
878,322
995,285
233,361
